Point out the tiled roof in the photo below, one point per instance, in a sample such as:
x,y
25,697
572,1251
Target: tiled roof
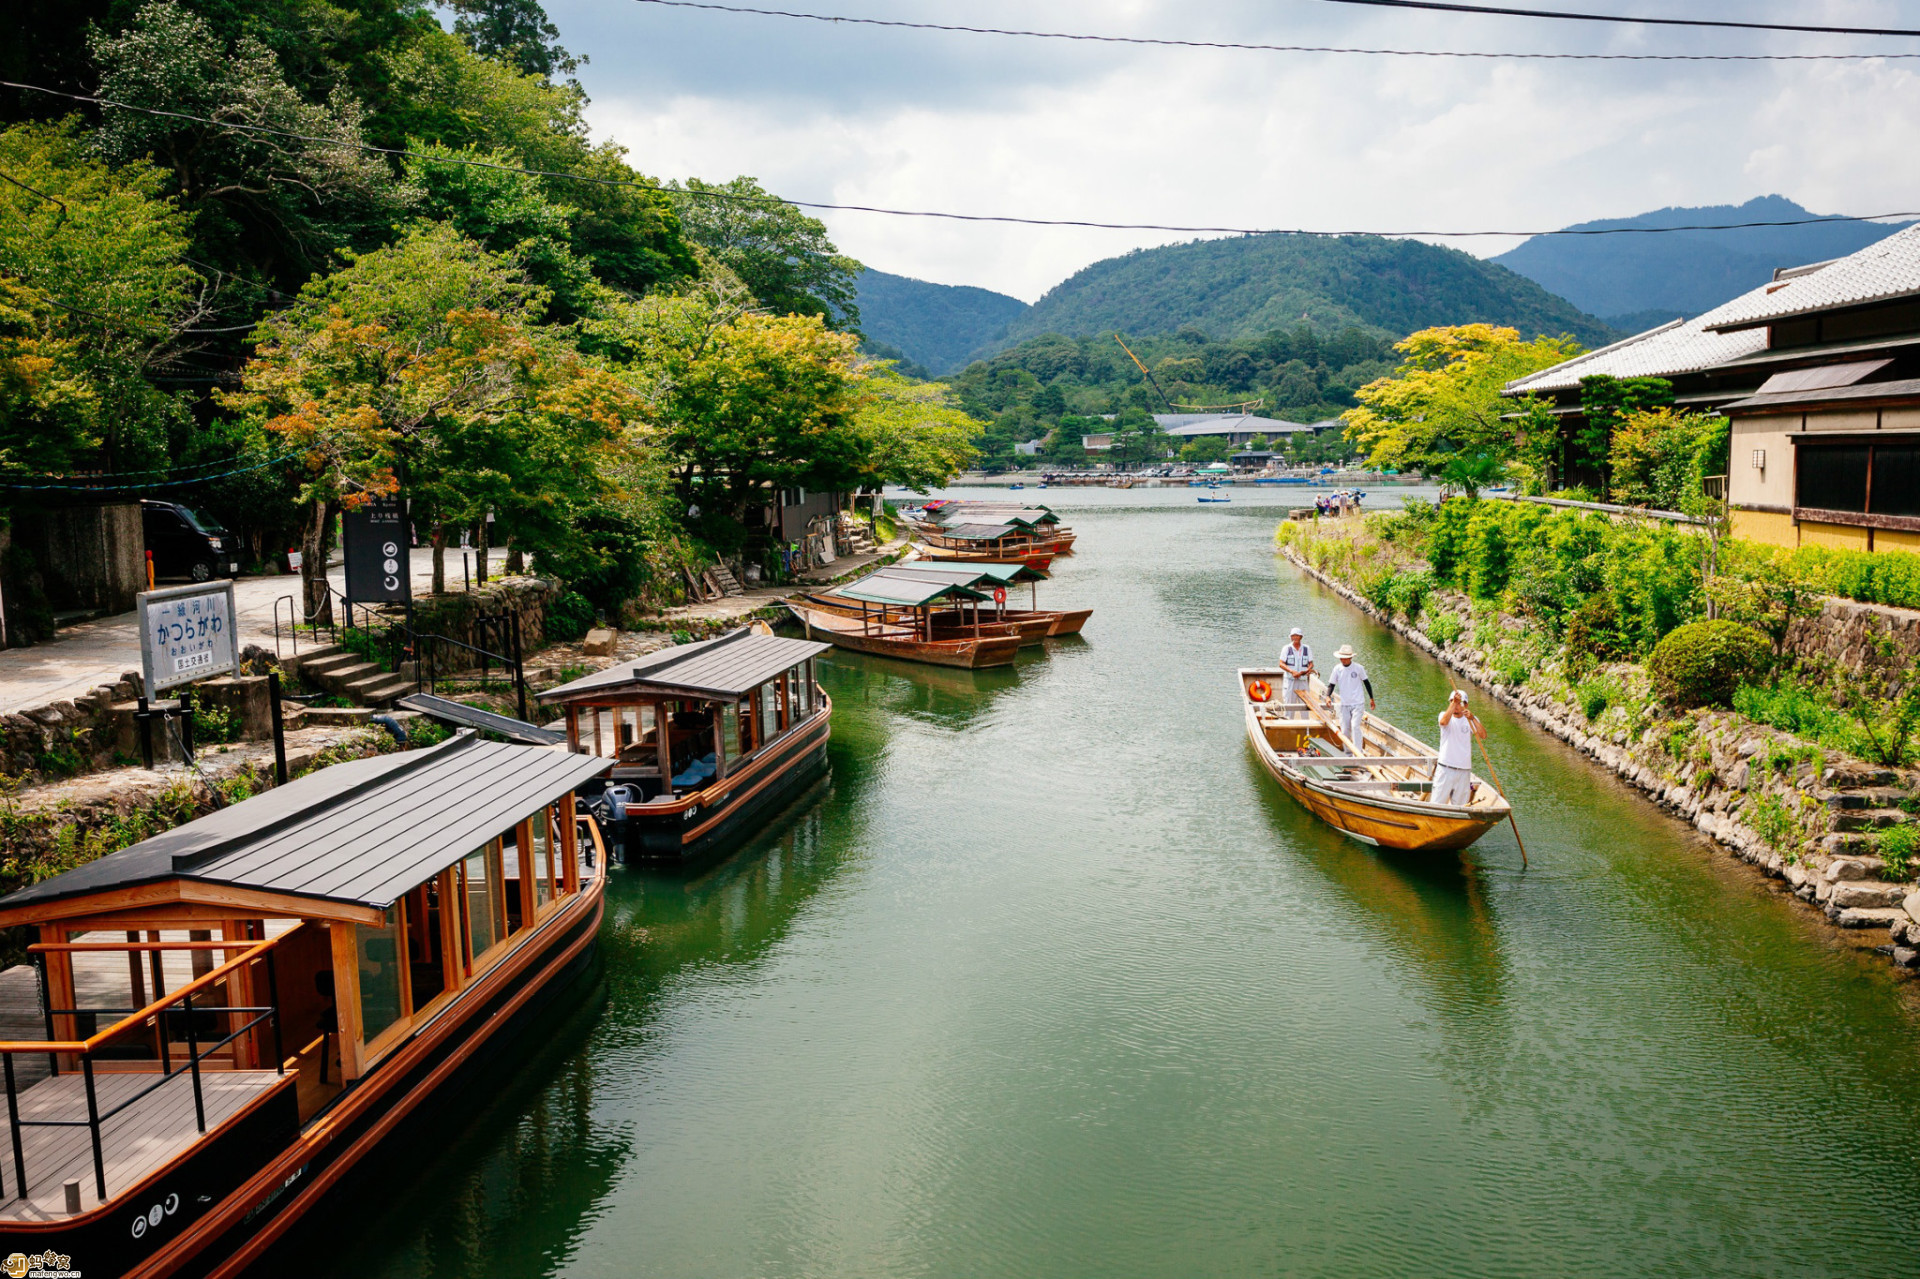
x,y
1683,346
1888,269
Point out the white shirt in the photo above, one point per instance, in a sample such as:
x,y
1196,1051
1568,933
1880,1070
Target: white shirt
x,y
1297,659
1349,680
1456,741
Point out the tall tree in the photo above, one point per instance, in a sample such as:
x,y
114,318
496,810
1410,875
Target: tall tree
x,y
516,32
782,255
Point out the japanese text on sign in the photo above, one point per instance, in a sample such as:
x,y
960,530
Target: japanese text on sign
x,y
188,634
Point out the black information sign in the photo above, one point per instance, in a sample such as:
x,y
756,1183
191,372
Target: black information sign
x,y
375,541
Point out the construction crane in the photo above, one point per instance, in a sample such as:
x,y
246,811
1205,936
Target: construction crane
x,y
1143,368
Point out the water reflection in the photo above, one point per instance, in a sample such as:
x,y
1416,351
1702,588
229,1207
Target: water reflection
x,y
944,696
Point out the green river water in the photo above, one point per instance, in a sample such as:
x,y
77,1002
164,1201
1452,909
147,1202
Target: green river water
x,y
1049,979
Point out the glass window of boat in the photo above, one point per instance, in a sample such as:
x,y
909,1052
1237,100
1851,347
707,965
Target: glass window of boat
x,y
543,850
733,732
768,716
426,950
635,734
378,949
479,875
511,865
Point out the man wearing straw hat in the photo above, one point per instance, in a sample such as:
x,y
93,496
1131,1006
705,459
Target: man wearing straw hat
x,y
1350,683
1297,659
1453,775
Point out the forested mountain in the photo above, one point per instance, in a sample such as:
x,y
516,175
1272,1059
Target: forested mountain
x,y
1053,388
936,326
1637,281
1250,285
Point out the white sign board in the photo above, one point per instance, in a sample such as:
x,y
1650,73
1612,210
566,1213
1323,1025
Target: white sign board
x,y
186,634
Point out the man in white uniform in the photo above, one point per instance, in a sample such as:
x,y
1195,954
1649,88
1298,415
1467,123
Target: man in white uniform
x,y
1350,684
1453,776
1297,659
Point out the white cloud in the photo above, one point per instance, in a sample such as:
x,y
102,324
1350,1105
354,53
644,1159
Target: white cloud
x,y
1110,133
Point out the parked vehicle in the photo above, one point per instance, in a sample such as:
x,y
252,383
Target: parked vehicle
x,y
185,544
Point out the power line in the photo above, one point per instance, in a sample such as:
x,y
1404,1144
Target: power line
x,y
996,218
1614,17
1270,48
168,484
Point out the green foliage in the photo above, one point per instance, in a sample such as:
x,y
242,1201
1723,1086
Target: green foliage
x,y
1872,577
781,254
1705,663
515,32
1794,706
1767,588
1660,457
1888,727
940,326
1445,629
212,722
1447,539
1205,449
1770,820
1898,847
569,617
1606,404
1595,696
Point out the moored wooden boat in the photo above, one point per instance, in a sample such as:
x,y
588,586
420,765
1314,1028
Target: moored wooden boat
x,y
1040,560
1001,578
892,615
326,958
1375,790
947,624
900,641
706,739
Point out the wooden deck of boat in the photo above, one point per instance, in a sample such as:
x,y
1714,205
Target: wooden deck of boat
x,y
141,1138
100,981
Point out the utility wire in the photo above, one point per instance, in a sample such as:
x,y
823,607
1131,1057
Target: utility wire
x,y
1614,17
1271,48
168,484
1003,219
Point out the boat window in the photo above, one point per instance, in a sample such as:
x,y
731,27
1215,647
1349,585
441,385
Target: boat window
x,y
735,731
425,953
769,716
510,879
478,877
541,827
378,947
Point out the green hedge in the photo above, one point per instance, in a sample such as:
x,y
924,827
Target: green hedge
x,y
1872,577
1705,663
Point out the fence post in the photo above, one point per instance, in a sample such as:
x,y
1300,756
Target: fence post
x,y
93,1127
193,1065
13,1116
519,666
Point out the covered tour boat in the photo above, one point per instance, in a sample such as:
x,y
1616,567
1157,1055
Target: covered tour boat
x,y
1000,579
1376,790
242,1009
892,615
704,739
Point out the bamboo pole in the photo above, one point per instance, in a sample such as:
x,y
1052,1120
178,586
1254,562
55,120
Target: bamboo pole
x,y
1487,755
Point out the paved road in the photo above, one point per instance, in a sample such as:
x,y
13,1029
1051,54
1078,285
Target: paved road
x,y
97,652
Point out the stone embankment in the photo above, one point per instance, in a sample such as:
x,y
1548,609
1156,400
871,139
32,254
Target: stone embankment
x,y
1770,799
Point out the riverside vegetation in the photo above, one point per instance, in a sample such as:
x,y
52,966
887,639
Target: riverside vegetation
x,y
1740,685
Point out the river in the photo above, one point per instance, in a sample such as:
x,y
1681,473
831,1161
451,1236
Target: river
x,y
1050,980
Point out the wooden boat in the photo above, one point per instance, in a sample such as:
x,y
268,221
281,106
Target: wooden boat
x,y
1000,578
893,618
1009,527
704,740
948,624
325,959
1216,499
1041,560
1375,790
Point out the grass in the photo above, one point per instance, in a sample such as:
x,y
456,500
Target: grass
x,y
1897,848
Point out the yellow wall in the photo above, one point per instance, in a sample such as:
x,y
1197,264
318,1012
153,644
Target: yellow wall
x,y
1844,536
1748,485
1886,539
1765,526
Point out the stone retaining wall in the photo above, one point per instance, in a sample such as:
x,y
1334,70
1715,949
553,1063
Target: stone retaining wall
x,y
1859,639
1834,811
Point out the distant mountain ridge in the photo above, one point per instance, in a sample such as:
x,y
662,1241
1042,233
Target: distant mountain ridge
x,y
937,326
1247,285
1635,282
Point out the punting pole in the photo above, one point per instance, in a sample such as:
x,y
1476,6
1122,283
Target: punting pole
x,y
1488,756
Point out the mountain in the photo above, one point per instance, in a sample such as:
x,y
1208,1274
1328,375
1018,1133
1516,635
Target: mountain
x,y
1637,281
1249,285
937,326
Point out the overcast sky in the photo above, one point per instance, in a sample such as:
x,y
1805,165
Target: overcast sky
x,y
1044,128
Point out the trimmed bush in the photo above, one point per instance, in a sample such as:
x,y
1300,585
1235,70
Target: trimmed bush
x,y
1704,663
1872,577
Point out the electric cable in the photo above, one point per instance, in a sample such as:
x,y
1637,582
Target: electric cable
x,y
1240,46
1002,219
1490,10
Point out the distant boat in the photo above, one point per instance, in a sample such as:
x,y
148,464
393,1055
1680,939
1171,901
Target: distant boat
x,y
1021,486
1216,499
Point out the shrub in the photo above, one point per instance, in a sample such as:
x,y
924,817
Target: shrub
x,y
1897,848
1447,538
1772,822
1872,577
1445,629
1596,695
1704,663
569,617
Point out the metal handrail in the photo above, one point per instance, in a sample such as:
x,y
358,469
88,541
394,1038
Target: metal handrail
x,y
156,1014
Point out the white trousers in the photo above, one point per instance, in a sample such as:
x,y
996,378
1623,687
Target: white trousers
x,y
1295,685
1452,785
1353,722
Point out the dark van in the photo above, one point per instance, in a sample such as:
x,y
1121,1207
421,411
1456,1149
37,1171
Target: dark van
x,y
184,544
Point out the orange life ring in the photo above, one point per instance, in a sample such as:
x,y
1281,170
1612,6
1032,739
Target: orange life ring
x,y
1259,690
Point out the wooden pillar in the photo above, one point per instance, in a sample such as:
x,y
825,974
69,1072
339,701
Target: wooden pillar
x,y
451,952
60,990
524,846
346,998
720,740
570,840
664,747
136,980
599,713
573,730
247,1051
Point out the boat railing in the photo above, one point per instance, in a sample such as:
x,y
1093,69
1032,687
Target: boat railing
x,y
158,1019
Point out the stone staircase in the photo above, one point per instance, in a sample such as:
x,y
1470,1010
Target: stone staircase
x,y
344,673
857,538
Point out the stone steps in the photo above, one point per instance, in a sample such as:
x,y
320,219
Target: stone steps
x,y
1863,819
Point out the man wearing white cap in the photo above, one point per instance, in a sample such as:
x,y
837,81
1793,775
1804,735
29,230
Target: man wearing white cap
x,y
1350,683
1453,775
1297,658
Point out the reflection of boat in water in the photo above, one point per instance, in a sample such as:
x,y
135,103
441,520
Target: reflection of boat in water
x,y
1373,790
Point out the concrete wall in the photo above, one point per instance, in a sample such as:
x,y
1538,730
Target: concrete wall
x,y
91,558
1748,485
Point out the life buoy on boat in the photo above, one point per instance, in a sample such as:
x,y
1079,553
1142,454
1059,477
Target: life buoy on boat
x,y
1259,690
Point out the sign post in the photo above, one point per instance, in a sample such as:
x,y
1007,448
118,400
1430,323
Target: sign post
x,y
374,540
187,634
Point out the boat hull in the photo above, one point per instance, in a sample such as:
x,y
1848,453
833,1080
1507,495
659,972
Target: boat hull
x,y
1039,561
728,811
842,632
230,1204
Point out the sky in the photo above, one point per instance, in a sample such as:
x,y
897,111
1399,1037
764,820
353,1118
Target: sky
x,y
1056,129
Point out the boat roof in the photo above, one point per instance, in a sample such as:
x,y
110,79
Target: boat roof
x,y
968,572
362,833
1027,516
979,532
727,667
913,590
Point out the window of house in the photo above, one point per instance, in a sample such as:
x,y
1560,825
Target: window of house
x,y
378,948
1896,480
1832,477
